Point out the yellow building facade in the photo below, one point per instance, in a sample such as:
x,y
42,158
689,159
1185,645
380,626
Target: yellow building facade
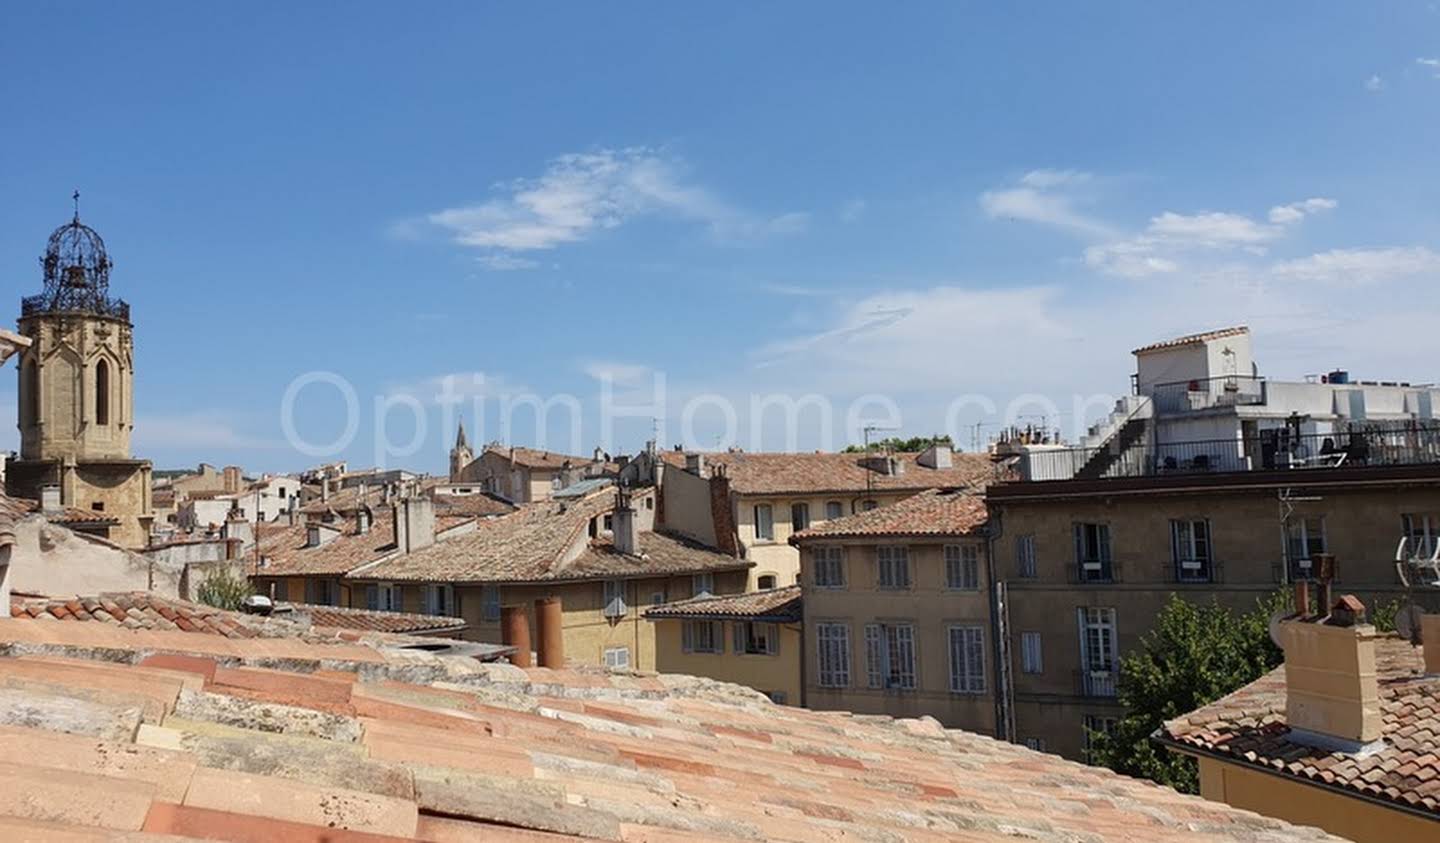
x,y
753,639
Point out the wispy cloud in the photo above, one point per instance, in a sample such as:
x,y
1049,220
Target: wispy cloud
x,y
797,290
200,429
505,262
1170,236
1433,64
581,194
1037,198
452,386
851,210
1360,266
1374,83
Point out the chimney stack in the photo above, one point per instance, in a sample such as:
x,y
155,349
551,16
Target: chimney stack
x,y
624,531
414,524
549,629
515,632
936,456
363,519
1332,696
50,499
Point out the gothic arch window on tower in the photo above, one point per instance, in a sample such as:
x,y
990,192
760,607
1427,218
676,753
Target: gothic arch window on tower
x,y
30,393
102,392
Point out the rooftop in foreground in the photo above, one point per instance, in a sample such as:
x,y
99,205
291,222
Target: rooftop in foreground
x,y
111,731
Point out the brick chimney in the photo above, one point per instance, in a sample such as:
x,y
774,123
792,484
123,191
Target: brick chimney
x,y
50,499
1332,697
723,513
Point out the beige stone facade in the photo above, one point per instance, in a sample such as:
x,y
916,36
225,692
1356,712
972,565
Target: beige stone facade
x,y
76,388
1068,626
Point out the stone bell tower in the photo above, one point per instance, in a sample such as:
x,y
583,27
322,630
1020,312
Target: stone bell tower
x,y
76,383
460,455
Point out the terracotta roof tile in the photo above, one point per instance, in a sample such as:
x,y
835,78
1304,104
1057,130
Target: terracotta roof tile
x,y
935,512
1193,339
780,605
284,550
533,458
814,473
498,753
1248,727
402,623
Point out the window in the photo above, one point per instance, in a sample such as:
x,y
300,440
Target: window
x,y
1025,556
320,592
609,525
890,656
701,637
612,601
1098,657
1422,531
1304,537
98,506
702,584
1190,548
280,590
1095,724
799,516
102,392
893,567
1092,552
777,697
490,603
1032,660
764,523
617,658
829,567
766,582
657,598
1037,744
382,596
832,641
868,505
833,510
30,394
440,600
967,660
756,639
962,566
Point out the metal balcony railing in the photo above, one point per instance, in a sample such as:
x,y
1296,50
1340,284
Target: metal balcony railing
x,y
1205,393
1097,683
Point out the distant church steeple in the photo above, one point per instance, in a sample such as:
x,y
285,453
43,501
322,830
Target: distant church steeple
x,y
460,455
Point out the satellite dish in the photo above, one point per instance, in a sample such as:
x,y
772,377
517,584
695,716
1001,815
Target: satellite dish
x,y
1408,623
1276,617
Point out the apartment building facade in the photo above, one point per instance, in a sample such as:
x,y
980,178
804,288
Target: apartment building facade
x,y
751,504
1221,486
752,639
897,612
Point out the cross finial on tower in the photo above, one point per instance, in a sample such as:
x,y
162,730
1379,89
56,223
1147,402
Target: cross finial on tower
x,y
76,196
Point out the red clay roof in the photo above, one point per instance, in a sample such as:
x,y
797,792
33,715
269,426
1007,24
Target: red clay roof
x,y
1248,728
400,623
934,512
480,504
143,610
284,551
780,605
533,458
816,473
1193,339
110,731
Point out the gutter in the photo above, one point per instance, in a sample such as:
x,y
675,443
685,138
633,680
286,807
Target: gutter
x,y
1159,738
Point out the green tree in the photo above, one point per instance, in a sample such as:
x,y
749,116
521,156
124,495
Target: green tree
x,y
913,445
224,588
1194,655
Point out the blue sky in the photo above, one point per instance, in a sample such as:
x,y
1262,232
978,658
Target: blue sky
x,y
926,202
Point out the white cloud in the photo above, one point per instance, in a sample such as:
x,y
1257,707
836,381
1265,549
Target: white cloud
x,y
1374,83
616,372
1036,198
1433,64
1170,236
852,209
505,262
1359,266
796,290
1296,211
580,194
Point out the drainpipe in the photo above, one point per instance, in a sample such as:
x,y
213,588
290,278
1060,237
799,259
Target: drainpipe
x,y
1000,632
